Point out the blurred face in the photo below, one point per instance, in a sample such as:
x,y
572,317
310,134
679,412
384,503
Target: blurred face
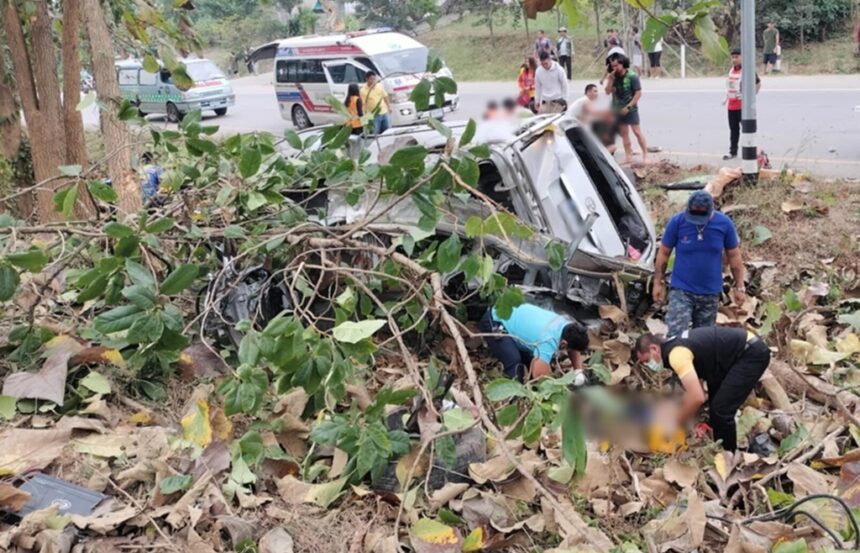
x,y
546,64
736,60
591,94
617,67
652,357
770,25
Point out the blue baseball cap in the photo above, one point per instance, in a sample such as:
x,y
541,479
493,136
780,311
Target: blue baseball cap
x,y
700,207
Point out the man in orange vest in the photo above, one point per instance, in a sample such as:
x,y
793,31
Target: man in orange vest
x,y
733,102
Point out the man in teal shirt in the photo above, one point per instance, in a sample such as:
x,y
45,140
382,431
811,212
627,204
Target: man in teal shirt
x,y
526,341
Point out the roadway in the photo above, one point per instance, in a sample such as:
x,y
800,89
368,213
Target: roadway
x,y
805,122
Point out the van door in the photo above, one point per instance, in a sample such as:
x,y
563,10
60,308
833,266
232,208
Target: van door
x,y
342,73
128,87
315,89
148,93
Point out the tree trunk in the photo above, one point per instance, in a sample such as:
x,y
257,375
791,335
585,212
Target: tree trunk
x,y
596,4
74,123
490,22
526,21
114,131
10,121
40,102
11,136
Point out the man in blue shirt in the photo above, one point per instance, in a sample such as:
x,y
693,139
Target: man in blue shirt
x,y
699,235
529,339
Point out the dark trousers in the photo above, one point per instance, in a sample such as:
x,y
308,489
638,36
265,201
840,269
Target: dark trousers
x,y
734,130
728,394
515,362
567,63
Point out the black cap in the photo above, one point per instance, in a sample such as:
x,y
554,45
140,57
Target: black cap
x,y
736,51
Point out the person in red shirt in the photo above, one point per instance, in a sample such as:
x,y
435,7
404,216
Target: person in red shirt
x,y
733,102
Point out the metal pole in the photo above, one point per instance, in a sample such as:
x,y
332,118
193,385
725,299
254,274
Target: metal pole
x,y
683,61
749,152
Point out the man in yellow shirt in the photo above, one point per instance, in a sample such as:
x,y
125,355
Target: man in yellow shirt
x,y
730,360
375,100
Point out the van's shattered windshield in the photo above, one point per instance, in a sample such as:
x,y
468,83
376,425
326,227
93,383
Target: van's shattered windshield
x,y
203,70
413,60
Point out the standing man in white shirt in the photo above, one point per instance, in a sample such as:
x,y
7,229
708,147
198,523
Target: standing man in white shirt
x,y
550,86
564,49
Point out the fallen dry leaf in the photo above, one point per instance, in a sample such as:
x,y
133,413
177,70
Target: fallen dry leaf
x,y
446,493
430,536
680,473
791,205
849,344
112,445
22,450
613,313
199,361
11,498
108,516
276,540
807,481
49,382
196,425
494,470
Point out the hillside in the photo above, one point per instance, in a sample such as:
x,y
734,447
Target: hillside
x,y
474,55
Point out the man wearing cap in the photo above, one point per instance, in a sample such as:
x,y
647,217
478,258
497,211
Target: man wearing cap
x,y
729,360
564,50
733,102
527,341
699,235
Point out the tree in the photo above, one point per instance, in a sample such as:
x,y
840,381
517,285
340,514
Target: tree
x,y
403,15
489,11
114,130
34,60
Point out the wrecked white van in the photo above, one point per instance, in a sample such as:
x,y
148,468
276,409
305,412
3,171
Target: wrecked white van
x,y
555,176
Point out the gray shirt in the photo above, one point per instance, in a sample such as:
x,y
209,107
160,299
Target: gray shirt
x,y
550,84
563,46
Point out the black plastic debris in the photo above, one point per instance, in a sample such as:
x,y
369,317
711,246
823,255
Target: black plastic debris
x,y
71,499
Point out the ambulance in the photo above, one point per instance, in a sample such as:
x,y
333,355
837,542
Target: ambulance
x,y
156,92
310,69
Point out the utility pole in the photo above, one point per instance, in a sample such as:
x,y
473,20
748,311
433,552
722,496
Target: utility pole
x,y
749,162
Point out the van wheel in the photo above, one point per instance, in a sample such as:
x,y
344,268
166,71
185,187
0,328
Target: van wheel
x,y
300,118
173,113
220,111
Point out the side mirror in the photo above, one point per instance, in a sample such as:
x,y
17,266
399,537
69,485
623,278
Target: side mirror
x,y
165,76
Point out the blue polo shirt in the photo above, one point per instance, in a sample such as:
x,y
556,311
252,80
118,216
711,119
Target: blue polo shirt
x,y
699,263
535,329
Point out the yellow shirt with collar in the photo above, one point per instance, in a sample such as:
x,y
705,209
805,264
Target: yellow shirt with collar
x,y
373,97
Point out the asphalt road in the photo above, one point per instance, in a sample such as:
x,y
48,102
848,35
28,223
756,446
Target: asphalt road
x,y
807,123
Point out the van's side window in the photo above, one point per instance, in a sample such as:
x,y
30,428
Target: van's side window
x,y
311,71
148,78
285,71
367,63
346,73
128,76
299,71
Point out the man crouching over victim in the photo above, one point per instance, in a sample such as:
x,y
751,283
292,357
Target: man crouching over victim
x,y
530,338
729,360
